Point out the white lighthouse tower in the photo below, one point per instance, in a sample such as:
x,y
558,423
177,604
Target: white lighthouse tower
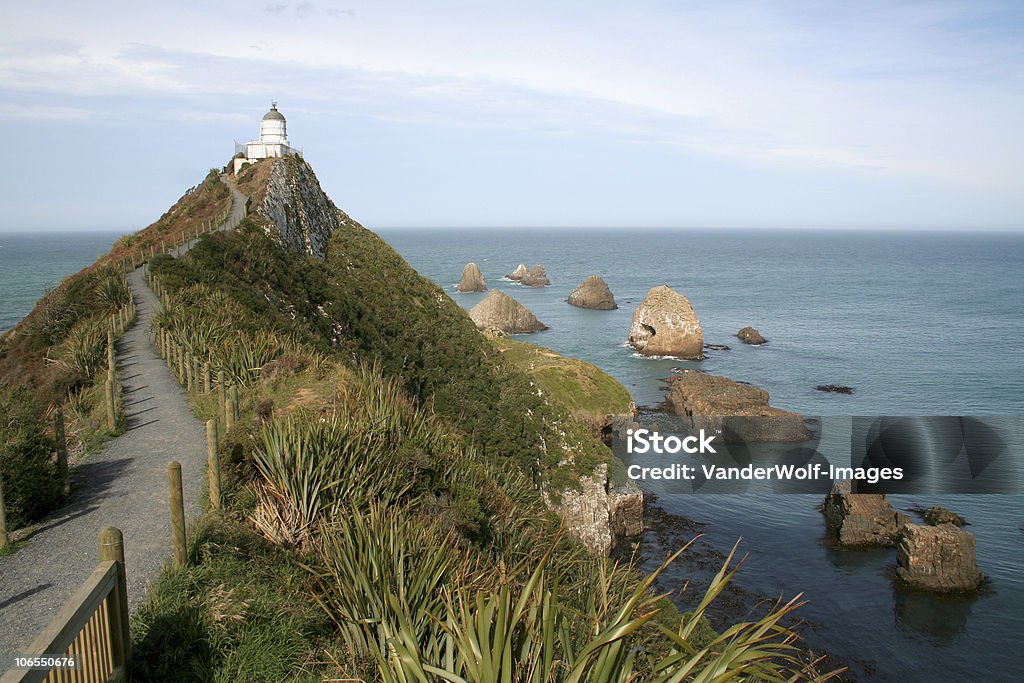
x,y
273,140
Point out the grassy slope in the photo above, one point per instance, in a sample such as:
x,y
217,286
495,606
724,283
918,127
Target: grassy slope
x,y
586,391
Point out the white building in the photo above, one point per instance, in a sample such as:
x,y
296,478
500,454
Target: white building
x,y
273,140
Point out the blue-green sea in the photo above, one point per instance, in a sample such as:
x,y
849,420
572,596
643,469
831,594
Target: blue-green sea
x,y
918,323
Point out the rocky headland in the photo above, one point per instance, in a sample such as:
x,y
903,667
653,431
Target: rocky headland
x,y
594,293
472,279
499,310
738,412
664,324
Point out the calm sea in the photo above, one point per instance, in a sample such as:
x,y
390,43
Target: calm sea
x,y
916,323
31,263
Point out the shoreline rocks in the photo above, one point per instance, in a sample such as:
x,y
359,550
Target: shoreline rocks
x,y
593,293
600,515
499,310
664,324
737,412
939,558
750,335
861,519
472,279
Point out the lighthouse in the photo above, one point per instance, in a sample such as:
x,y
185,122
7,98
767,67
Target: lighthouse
x,y
273,140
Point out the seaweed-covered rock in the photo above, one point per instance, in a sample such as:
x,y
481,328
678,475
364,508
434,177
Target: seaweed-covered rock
x,y
664,324
593,292
939,515
472,279
938,558
505,313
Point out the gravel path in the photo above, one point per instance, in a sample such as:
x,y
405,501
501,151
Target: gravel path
x,y
124,485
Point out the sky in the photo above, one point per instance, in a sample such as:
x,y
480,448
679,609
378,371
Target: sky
x,y
424,114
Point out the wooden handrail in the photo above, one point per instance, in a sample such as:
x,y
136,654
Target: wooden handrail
x,y
91,626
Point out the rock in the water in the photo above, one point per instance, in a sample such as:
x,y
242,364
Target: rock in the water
x,y
735,411
938,558
529,277
664,324
940,515
749,335
472,279
593,292
535,277
862,519
505,313
717,347
834,388
517,274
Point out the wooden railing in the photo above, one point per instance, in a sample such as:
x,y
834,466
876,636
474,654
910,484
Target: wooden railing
x,y
90,634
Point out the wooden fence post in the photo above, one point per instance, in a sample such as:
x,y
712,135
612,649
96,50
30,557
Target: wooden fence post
x,y
222,395
207,387
112,550
111,408
229,415
188,370
234,403
181,363
111,363
3,516
177,512
213,463
62,444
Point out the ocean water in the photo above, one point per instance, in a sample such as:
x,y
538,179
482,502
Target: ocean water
x,y
31,263
916,323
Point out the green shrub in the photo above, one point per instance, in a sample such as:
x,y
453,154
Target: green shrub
x,y
32,484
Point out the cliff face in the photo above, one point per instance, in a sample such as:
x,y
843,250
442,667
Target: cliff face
x,y
302,213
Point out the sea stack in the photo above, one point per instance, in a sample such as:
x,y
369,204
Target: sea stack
x,y
517,274
529,277
937,558
472,279
499,310
593,292
861,519
750,335
665,325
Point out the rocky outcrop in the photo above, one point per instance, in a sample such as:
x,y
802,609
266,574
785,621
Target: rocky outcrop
x,y
626,511
599,518
529,277
737,412
861,519
938,558
665,325
472,279
517,274
300,214
535,277
505,313
749,335
940,515
593,292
